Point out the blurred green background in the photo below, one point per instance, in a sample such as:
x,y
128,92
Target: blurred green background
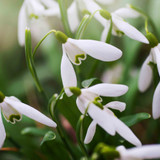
x,y
16,80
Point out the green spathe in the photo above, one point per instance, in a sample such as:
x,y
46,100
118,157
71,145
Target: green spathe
x,y
75,90
105,14
61,37
104,152
2,96
153,41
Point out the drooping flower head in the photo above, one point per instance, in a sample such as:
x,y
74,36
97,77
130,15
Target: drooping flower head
x,y
89,99
146,74
13,109
77,50
139,153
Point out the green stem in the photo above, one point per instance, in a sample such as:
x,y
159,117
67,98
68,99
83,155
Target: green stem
x,y
81,27
55,116
64,17
39,43
30,62
79,133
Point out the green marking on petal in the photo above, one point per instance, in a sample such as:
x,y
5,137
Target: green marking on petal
x,y
79,57
98,99
98,104
33,16
13,118
119,33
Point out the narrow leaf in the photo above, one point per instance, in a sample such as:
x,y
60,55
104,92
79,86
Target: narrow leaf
x,y
133,119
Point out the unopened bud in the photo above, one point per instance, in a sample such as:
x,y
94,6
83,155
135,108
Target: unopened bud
x,y
61,37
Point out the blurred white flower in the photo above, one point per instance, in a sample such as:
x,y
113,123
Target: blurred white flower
x,y
90,99
76,51
33,10
146,76
113,74
139,153
12,110
119,25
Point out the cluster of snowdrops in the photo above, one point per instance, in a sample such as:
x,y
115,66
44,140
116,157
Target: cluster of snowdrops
x,y
75,50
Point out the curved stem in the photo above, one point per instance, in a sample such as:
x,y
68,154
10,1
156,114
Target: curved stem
x,y
39,43
64,17
55,116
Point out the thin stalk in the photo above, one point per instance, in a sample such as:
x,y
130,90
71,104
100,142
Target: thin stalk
x,y
64,17
55,116
39,43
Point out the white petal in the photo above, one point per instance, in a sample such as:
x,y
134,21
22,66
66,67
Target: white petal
x,y
105,2
10,114
90,132
125,132
22,23
105,31
121,106
30,112
144,152
68,74
145,76
108,90
127,13
75,54
156,103
129,30
73,17
157,56
2,131
52,12
80,104
97,49
102,118
92,7
50,3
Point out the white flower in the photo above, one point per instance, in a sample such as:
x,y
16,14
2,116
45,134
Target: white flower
x,y
145,79
119,25
76,51
13,109
101,115
32,10
139,153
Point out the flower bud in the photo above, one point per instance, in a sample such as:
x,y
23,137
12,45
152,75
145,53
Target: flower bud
x,y
75,90
105,14
153,41
61,37
2,96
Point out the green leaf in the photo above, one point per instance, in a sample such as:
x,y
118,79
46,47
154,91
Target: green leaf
x,y
49,136
133,119
33,131
89,82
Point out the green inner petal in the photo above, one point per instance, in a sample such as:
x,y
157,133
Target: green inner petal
x,y
13,118
79,57
33,16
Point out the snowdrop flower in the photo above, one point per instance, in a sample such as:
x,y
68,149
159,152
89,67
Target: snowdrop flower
x,y
120,27
12,109
76,50
146,75
89,99
139,153
105,2
32,10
